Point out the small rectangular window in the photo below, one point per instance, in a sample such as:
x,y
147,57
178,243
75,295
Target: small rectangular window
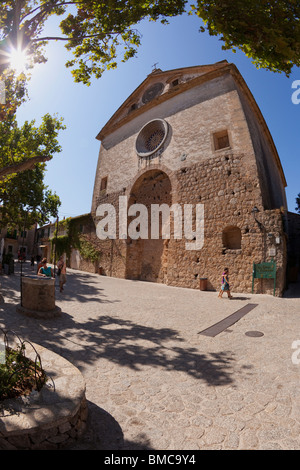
x,y
221,140
133,107
103,184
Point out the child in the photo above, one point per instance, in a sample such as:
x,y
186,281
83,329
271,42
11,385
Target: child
x,y
225,284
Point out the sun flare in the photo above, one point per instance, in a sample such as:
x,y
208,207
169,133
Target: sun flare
x,y
18,60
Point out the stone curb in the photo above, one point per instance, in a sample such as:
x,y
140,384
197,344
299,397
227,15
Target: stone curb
x,y
56,312
53,418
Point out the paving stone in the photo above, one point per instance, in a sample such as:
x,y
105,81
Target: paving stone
x,y
152,382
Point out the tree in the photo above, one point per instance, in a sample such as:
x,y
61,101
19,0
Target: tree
x,y
266,31
297,208
25,150
24,195
94,31
15,93
24,198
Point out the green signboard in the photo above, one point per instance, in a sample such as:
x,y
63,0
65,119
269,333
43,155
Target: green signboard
x,y
264,271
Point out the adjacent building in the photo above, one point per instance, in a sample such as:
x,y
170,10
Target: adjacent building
x,y
18,242
76,233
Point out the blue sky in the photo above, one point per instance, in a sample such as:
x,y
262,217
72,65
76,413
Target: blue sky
x,y
87,109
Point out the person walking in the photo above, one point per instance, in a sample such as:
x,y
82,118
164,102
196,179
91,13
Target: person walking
x,y
225,287
62,272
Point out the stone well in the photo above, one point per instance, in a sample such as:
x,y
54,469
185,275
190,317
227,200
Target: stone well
x,y
38,297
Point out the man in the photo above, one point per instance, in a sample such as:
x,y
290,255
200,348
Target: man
x,y
61,265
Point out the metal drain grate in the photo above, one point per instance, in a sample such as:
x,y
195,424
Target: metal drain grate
x,y
254,334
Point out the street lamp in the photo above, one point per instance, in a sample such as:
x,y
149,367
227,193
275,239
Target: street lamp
x,y
254,211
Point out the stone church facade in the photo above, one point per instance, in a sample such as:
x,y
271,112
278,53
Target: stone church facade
x,y
194,136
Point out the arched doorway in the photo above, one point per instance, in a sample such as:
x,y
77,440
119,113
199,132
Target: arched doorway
x,y
146,258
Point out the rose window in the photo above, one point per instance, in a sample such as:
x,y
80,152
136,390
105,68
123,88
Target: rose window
x,y
151,137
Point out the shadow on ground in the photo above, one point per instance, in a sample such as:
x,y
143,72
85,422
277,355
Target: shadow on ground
x,y
293,290
103,432
122,342
90,343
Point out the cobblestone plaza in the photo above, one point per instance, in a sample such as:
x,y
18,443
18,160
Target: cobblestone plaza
x,y
153,382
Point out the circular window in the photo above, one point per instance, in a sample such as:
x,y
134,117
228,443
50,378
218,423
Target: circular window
x,y
151,137
152,92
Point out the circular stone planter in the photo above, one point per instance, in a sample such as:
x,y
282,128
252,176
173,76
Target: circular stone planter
x,y
51,419
38,297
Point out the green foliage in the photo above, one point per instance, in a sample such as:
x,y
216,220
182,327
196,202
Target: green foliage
x,y
23,196
61,244
93,30
19,375
88,250
268,32
21,143
73,238
15,94
297,208
99,32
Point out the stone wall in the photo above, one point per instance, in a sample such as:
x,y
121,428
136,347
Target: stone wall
x,y
270,175
112,260
16,244
228,195
228,200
